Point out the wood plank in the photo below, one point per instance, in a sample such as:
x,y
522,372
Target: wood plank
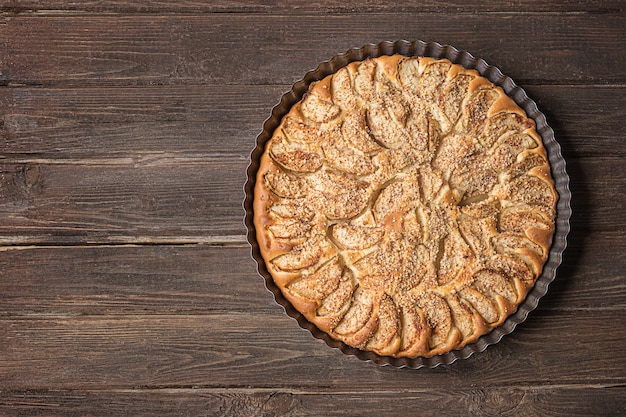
x,y
286,6
103,123
144,122
583,117
268,351
593,190
203,279
577,400
194,200
589,277
153,279
172,201
202,49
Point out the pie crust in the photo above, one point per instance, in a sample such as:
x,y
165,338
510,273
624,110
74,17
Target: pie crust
x,y
405,206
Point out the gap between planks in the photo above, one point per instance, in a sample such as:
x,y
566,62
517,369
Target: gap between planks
x,y
17,12
141,159
232,241
200,389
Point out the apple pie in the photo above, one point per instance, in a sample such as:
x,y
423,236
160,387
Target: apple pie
x,y
405,206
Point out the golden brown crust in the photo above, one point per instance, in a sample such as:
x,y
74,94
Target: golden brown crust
x,y
405,206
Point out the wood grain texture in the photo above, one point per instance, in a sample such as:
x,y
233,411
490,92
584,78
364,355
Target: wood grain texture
x,y
130,279
510,401
171,49
323,6
176,202
126,283
203,279
203,350
189,200
138,123
206,279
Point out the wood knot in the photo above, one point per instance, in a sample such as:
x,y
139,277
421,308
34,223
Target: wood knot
x,y
31,175
19,184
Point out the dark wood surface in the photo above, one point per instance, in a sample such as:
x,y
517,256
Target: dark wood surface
x,y
126,283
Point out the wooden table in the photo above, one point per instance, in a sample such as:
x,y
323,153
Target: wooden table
x,y
127,285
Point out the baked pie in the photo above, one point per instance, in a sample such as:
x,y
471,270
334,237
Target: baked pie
x,y
405,206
